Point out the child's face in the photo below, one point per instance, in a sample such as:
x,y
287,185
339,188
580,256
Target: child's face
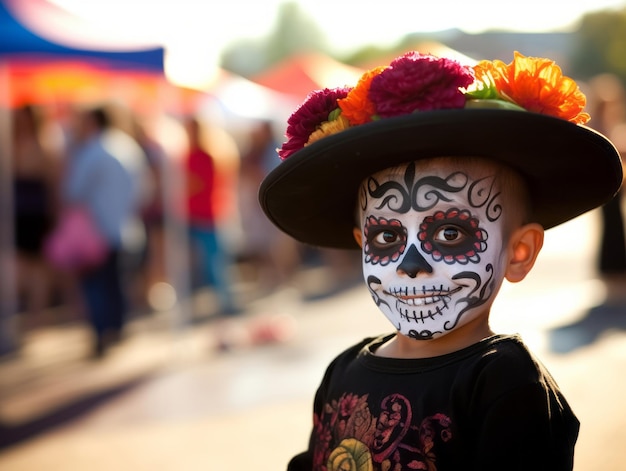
x,y
432,245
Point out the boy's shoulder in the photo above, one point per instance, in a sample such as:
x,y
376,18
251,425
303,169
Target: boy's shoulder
x,y
507,357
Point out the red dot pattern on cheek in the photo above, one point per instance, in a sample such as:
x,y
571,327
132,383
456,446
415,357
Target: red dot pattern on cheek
x,y
373,227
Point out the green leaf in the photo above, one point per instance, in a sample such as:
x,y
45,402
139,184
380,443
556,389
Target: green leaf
x,y
492,104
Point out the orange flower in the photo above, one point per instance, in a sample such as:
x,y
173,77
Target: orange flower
x,y
536,85
357,107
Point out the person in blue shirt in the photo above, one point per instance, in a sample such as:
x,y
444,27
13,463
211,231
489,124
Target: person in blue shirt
x,y
107,176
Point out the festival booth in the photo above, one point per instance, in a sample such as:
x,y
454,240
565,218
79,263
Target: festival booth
x,y
45,60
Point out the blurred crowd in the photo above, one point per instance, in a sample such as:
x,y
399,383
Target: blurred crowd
x,y
117,215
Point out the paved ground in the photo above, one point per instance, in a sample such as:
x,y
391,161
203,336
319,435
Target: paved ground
x,y
166,400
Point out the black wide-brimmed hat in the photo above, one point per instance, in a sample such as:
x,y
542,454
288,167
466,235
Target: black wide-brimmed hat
x,y
312,194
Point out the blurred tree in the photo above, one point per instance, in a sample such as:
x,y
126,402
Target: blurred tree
x,y
245,57
369,55
294,32
601,45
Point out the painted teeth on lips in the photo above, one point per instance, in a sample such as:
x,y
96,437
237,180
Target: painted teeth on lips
x,y
419,301
421,295
414,296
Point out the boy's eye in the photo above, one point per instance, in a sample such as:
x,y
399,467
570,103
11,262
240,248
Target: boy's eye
x,y
448,234
384,238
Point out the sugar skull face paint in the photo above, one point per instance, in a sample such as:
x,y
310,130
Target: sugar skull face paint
x,y
432,245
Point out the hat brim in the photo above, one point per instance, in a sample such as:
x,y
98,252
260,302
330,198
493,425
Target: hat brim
x,y
570,169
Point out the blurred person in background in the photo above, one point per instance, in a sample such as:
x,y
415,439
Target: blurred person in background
x,y
608,100
207,206
274,255
107,175
36,165
153,213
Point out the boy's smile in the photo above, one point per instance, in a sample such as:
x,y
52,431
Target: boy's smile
x,y
432,246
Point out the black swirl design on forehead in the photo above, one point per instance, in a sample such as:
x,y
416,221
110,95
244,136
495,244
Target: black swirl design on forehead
x,y
425,193
483,192
411,194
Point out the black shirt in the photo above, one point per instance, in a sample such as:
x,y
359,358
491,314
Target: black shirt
x,y
490,406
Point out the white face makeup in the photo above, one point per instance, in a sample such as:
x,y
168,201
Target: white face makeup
x,y
432,245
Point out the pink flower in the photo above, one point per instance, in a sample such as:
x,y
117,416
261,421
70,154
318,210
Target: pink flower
x,y
419,82
306,119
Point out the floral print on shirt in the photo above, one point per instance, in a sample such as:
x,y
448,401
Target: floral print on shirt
x,y
348,437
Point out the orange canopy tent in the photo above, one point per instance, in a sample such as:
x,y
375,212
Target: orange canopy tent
x,y
48,82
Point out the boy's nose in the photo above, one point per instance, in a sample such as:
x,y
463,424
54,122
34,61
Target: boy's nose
x,y
413,263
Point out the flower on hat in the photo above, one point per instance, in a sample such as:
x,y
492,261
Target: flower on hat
x,y
534,84
315,110
357,107
419,82
416,82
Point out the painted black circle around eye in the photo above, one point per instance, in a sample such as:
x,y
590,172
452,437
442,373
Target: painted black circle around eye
x,y
384,240
462,241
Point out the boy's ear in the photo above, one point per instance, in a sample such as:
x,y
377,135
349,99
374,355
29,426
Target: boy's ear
x,y
358,236
524,247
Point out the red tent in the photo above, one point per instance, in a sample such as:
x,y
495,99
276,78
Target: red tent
x,y
300,74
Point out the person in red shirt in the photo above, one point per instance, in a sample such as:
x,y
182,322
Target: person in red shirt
x,y
202,185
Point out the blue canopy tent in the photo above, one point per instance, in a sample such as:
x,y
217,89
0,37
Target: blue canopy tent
x,y
17,40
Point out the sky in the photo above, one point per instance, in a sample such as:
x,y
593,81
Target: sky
x,y
195,31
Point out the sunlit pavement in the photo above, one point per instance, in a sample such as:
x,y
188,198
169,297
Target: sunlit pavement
x,y
166,399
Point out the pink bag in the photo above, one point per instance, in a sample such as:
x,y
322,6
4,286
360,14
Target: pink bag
x,y
76,243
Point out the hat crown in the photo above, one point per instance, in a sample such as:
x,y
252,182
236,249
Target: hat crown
x,y
416,82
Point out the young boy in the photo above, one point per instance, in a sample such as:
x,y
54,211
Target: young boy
x,y
445,176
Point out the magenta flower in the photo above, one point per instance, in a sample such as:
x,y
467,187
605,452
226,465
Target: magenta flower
x,y
419,82
305,120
